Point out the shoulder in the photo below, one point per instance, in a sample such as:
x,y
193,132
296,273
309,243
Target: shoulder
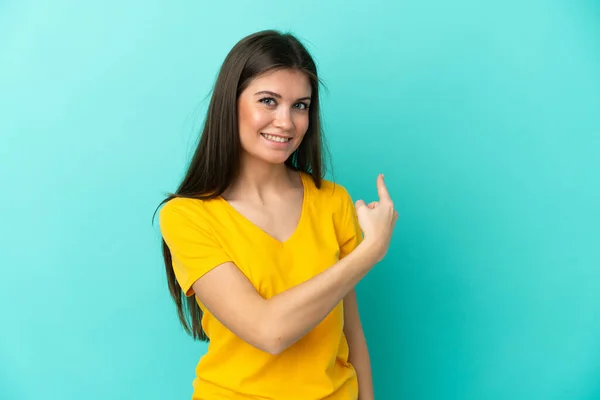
x,y
330,193
184,211
181,206
333,202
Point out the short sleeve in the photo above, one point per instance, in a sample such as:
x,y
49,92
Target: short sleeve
x,y
194,248
350,234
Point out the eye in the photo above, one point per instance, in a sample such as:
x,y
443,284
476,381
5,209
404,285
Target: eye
x,y
302,106
269,101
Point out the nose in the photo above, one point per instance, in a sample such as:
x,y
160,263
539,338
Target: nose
x,y
283,119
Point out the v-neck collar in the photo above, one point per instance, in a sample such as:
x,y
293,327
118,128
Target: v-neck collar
x,y
247,221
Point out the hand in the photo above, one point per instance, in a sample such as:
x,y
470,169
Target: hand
x,y
377,220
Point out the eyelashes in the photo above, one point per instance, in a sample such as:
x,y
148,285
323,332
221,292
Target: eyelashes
x,y
270,101
266,100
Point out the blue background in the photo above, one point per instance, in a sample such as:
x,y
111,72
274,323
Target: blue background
x,y
485,119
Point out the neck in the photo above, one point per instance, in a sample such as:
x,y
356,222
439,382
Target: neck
x,y
257,180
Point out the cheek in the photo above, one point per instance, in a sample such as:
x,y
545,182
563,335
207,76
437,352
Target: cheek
x,y
301,124
253,120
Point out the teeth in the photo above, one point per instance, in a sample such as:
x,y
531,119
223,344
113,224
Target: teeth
x,y
276,138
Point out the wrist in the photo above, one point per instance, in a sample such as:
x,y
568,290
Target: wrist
x,y
371,250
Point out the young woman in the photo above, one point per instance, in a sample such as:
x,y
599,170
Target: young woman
x,y
262,254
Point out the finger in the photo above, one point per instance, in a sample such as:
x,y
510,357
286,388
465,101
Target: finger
x,y
359,204
373,204
382,191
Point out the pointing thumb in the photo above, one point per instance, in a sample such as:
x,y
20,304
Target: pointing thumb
x,y
359,204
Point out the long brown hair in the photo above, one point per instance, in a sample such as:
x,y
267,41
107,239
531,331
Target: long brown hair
x,y
216,161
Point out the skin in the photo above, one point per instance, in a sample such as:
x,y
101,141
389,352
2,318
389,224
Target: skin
x,y
270,195
266,192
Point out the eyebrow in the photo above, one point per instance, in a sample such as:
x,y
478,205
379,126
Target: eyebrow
x,y
278,95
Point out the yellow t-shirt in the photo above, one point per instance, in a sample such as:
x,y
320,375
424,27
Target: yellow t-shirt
x,y
203,234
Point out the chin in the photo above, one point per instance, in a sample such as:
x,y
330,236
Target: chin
x,y
270,154
269,157
275,158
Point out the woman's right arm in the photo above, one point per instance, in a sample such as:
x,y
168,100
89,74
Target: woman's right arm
x,y
274,324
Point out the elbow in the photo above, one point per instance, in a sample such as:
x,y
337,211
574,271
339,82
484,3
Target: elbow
x,y
271,339
273,347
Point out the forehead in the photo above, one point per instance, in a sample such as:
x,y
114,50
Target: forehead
x,y
286,82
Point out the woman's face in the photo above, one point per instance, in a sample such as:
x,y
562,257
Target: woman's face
x,y
273,114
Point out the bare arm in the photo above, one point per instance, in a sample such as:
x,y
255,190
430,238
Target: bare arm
x,y
359,353
274,324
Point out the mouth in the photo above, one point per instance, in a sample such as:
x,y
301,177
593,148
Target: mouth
x,y
276,138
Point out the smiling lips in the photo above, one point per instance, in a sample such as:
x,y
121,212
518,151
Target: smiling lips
x,y
275,138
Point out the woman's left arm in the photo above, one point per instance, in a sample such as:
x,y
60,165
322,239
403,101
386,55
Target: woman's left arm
x,y
359,353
